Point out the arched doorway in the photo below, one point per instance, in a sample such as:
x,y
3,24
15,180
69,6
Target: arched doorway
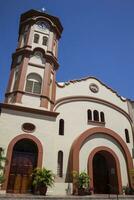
x,y
80,141
105,178
23,161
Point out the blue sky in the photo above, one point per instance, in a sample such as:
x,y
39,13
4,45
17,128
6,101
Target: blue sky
x,y
98,39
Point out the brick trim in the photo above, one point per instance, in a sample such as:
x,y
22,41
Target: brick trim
x,y
45,85
21,79
90,165
79,142
53,97
29,110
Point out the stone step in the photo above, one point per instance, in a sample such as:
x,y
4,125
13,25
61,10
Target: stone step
x,y
91,197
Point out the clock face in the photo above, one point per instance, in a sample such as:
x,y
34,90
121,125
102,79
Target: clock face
x,y
42,25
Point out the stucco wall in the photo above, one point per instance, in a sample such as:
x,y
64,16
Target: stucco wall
x,y
11,122
75,117
81,88
74,114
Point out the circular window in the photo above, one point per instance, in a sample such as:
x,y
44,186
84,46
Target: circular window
x,y
28,127
94,88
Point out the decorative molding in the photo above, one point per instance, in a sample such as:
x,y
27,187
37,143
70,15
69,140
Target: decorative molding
x,y
45,86
94,88
28,127
96,123
34,15
82,138
29,110
90,165
91,99
86,78
30,94
36,65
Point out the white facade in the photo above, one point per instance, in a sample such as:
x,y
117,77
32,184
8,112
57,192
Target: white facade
x,y
82,138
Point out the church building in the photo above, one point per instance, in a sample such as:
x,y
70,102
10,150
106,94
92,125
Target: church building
x,y
80,125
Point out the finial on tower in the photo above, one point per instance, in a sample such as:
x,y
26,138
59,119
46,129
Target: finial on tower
x,y
43,9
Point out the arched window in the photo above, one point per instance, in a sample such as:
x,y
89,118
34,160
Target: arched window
x,y
61,127
60,164
127,136
36,38
96,115
102,117
33,83
44,40
89,115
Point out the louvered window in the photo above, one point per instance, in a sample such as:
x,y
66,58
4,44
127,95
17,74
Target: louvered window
x,y
33,83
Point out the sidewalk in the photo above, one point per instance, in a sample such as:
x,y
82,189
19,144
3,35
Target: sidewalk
x,y
91,197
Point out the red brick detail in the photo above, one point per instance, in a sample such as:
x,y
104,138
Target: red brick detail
x,y
79,142
45,86
90,165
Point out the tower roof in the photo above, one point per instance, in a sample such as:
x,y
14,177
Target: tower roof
x,y
35,13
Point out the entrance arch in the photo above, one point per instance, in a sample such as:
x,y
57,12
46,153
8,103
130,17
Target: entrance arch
x,y
107,177
79,142
24,153
24,160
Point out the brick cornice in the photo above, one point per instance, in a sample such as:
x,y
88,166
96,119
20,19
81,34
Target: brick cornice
x,y
28,93
25,48
53,59
28,110
27,51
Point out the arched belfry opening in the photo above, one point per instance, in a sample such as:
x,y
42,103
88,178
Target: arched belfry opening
x,y
105,178
23,161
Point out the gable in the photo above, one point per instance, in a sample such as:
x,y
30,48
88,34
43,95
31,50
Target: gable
x,y
90,88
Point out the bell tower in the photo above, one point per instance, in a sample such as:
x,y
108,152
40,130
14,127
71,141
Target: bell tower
x,y
34,63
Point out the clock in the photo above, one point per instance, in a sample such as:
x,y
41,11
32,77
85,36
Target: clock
x,y
42,25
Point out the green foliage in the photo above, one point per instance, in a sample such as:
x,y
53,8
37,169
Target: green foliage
x,y
2,159
82,180
1,178
2,165
43,177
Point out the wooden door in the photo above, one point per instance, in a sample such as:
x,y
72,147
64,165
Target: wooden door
x,y
20,172
105,177
100,174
